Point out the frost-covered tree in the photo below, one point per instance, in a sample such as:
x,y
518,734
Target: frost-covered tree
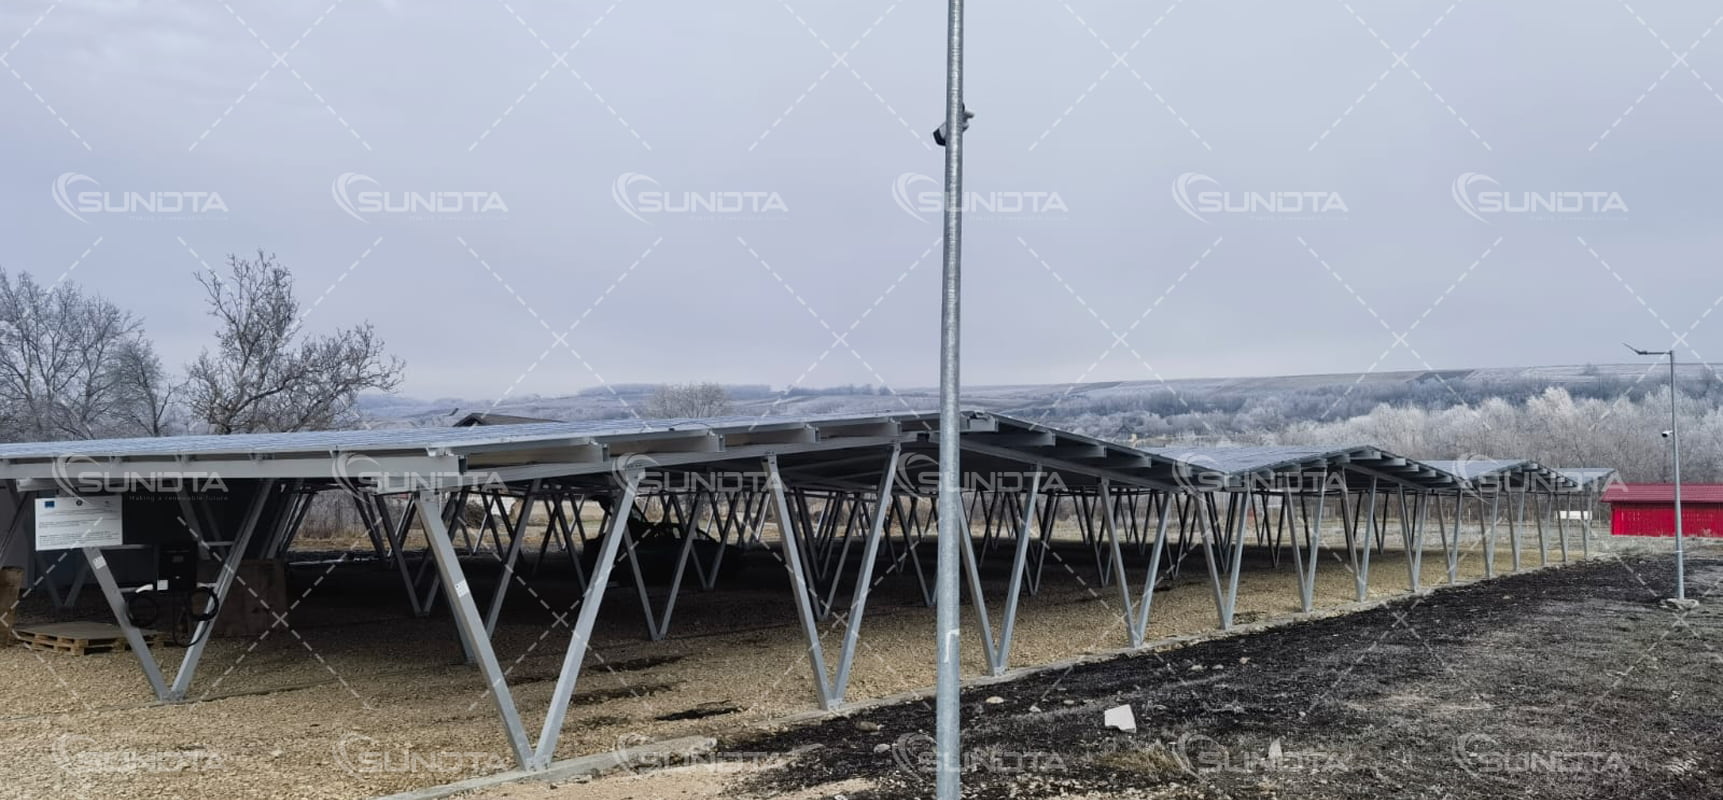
x,y
74,365
687,400
266,373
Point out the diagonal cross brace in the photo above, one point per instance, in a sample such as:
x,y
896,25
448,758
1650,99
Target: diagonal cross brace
x,y
829,691
176,692
471,626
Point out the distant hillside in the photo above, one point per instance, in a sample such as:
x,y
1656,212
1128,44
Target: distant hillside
x,y
1119,408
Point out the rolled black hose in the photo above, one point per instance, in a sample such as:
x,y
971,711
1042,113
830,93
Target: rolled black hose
x,y
202,597
143,610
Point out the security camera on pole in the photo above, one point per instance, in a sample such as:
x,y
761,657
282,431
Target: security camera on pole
x,y
948,782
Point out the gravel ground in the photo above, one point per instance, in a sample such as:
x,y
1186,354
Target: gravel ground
x,y
356,699
1566,683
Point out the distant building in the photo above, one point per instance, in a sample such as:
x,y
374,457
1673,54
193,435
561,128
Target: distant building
x,y
1648,509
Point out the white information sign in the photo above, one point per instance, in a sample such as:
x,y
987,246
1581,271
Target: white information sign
x,y
67,523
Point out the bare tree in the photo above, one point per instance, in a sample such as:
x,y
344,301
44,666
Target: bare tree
x,y
73,365
266,374
688,400
151,411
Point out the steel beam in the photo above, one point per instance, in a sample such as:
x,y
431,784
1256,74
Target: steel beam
x,y
1561,509
122,614
1210,542
864,581
1019,564
200,638
582,634
1243,502
1140,625
973,569
223,584
1118,560
1516,520
471,625
799,583
1538,510
1361,580
517,537
658,626
1453,547
1489,531
1412,536
1585,530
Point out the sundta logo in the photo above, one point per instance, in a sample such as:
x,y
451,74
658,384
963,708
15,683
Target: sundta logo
x,y
923,198
640,196
361,203
1483,199
82,203
1203,198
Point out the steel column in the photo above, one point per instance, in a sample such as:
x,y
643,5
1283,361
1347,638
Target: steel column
x,y
1543,542
799,583
470,624
1453,547
1516,520
1019,564
581,636
973,568
223,584
1243,503
517,536
134,637
864,581
1118,562
1412,536
1585,530
1140,626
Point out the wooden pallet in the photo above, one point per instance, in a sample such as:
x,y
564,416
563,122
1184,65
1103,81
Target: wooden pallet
x,y
79,638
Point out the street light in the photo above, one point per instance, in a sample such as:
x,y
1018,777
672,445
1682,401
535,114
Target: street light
x,y
1674,438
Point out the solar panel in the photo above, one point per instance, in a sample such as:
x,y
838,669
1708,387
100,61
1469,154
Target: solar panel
x,y
412,439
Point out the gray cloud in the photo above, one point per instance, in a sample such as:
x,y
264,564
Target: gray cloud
x,y
726,106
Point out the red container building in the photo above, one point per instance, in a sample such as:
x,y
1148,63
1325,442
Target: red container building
x,y
1648,509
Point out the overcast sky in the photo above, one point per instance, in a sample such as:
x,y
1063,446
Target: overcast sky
x,y
1261,187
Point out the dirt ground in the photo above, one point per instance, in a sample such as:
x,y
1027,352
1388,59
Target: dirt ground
x,y
354,699
1559,683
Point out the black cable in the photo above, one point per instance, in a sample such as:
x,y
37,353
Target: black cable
x,y
144,610
149,602
209,602
195,618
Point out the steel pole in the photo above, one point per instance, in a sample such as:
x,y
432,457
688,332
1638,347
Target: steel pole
x,y
947,738
1675,448
1675,458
